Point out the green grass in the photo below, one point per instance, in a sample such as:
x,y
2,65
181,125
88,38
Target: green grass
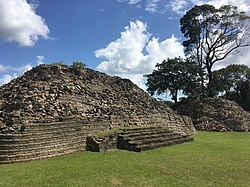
x,y
213,159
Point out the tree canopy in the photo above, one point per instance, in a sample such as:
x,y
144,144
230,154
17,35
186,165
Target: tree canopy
x,y
231,78
213,34
234,83
172,76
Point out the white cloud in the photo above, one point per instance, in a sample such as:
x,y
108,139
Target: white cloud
x,y
2,68
130,2
243,5
178,6
20,23
181,6
22,69
152,6
7,73
136,53
40,59
6,78
241,57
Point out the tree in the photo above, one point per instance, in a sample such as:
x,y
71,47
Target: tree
x,y
172,76
213,34
232,80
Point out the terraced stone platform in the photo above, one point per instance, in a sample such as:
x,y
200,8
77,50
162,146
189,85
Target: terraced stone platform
x,y
141,139
138,139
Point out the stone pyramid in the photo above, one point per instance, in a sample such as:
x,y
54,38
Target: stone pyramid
x,y
51,109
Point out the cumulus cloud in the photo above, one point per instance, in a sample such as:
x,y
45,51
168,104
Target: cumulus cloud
x,y
20,23
136,53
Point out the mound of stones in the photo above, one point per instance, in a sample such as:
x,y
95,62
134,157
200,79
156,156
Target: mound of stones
x,y
52,93
215,114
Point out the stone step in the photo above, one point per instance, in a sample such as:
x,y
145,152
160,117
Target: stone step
x,y
140,130
162,144
31,138
52,129
37,155
146,135
144,132
153,145
37,147
140,139
154,139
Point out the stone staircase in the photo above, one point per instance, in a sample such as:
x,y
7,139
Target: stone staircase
x,y
141,139
46,140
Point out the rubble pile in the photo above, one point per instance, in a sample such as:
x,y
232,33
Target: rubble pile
x,y
215,114
48,93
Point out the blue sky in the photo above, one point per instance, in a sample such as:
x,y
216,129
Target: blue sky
x,y
119,37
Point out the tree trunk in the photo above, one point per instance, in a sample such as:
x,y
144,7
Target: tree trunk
x,y
174,96
210,82
202,86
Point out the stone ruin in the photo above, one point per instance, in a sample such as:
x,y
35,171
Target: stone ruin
x,y
215,114
52,109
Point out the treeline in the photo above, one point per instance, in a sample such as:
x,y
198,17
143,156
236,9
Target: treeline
x,y
178,75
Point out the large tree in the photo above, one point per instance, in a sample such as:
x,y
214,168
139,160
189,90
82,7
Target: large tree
x,y
213,34
172,76
232,80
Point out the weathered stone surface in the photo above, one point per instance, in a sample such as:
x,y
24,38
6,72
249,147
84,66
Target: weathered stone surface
x,y
48,93
215,114
136,139
52,109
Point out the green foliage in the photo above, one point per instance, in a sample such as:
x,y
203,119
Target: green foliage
x,y
78,64
172,76
59,63
231,78
213,159
234,81
212,34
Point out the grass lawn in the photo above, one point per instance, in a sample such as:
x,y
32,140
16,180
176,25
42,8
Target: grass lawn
x,y
213,159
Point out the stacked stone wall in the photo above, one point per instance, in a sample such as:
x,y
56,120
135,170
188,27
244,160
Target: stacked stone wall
x,y
46,140
43,140
215,114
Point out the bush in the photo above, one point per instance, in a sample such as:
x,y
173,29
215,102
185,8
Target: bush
x,y
59,63
78,64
